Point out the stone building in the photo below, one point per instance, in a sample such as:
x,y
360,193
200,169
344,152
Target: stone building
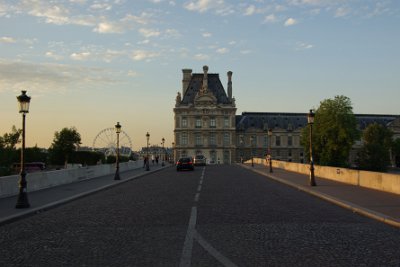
x,y
205,117
206,123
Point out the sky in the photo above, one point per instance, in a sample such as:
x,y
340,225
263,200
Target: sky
x,y
90,64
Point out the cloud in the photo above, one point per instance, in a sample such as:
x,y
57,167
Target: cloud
x,y
80,56
303,46
250,10
7,40
342,12
52,55
139,55
201,57
290,22
202,6
45,77
206,34
270,19
149,32
222,50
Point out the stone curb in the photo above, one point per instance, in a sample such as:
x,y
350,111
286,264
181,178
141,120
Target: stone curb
x,y
344,204
54,204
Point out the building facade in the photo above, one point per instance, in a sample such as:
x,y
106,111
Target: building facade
x,y
205,118
206,123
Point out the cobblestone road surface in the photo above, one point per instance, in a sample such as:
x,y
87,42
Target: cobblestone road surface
x,y
217,216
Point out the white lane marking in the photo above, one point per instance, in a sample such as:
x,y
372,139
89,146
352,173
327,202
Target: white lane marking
x,y
186,258
199,188
218,256
196,198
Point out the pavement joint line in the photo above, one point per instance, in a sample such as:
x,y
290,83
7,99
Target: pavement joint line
x,y
33,211
342,203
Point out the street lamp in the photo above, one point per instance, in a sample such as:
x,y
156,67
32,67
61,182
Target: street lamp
x,y
241,148
173,152
162,142
147,161
118,131
269,149
310,118
251,146
22,201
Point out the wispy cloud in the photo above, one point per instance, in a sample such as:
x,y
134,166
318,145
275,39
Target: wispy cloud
x,y
80,56
222,50
45,77
206,34
303,46
7,40
342,11
139,55
201,57
147,33
270,19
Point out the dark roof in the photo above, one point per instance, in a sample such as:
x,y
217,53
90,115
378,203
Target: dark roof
x,y
214,86
292,121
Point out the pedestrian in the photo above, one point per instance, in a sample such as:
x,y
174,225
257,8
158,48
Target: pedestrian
x,y
144,161
152,159
157,160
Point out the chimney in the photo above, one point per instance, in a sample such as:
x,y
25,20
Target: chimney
x,y
229,84
187,76
204,88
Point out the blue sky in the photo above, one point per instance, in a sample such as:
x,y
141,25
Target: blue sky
x,y
89,64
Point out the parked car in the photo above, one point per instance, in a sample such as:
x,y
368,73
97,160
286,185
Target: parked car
x,y
199,160
185,164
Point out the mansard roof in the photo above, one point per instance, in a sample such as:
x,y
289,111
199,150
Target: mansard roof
x,y
293,121
214,86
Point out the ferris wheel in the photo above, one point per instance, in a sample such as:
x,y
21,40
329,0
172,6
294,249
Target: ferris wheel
x,y
106,142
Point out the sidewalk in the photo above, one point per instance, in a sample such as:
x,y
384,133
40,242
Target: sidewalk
x,y
381,206
50,197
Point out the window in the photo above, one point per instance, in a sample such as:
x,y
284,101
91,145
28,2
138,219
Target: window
x,y
198,139
227,139
290,141
212,123
184,122
198,123
265,142
226,122
212,139
184,139
277,140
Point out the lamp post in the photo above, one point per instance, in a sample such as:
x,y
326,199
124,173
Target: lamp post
x,y
310,118
163,151
147,161
22,201
269,150
118,131
241,148
251,147
173,152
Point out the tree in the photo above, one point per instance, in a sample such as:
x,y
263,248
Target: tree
x,y
64,144
8,151
334,132
396,151
374,155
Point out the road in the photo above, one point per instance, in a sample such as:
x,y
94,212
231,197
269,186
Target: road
x,y
215,216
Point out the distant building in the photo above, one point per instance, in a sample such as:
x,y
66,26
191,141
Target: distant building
x,y
206,123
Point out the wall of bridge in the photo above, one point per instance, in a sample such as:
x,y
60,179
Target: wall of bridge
x,y
374,180
45,179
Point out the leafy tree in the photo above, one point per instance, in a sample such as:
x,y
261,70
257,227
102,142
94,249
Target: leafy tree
x,y
396,151
374,155
64,144
87,157
8,152
334,132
